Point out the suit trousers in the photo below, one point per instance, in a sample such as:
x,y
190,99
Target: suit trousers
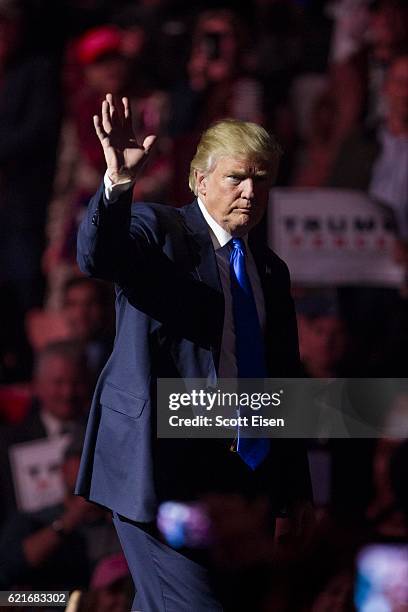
x,y
165,580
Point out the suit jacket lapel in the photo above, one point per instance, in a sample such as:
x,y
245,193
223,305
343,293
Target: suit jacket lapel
x,y
201,245
206,269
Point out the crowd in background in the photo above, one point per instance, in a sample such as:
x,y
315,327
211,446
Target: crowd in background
x,y
330,80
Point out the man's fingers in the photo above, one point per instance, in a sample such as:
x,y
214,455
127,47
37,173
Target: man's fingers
x,y
98,128
127,116
111,106
106,120
148,142
115,111
127,111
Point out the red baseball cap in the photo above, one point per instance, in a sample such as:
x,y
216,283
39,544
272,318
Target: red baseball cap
x,y
97,42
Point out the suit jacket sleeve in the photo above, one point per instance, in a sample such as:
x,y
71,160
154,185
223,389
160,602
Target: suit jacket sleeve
x,y
109,244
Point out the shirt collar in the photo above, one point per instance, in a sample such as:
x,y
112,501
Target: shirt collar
x,y
222,237
53,426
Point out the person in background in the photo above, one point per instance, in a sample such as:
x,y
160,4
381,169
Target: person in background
x,y
61,393
98,61
111,587
93,62
86,316
61,390
217,85
89,316
318,146
376,161
384,514
324,345
386,510
59,546
389,181
29,128
359,80
323,336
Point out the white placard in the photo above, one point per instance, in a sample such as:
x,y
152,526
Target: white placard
x,y
36,470
333,237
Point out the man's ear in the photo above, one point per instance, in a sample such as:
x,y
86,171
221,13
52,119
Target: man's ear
x,y
201,182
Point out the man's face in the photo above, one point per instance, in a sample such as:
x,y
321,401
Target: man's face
x,y
235,193
323,340
107,74
83,311
61,387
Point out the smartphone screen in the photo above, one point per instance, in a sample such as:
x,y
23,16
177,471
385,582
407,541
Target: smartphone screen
x,y
381,583
184,525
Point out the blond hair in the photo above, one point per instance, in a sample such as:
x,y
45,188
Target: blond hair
x,y
232,138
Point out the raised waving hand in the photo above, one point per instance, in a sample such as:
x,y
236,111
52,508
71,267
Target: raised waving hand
x,y
124,156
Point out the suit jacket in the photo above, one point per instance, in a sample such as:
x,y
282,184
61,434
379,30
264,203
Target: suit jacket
x,y
170,309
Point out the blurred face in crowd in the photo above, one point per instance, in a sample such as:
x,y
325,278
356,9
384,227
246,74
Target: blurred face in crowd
x,y
61,386
323,341
217,46
107,73
133,41
114,598
387,30
235,193
217,40
83,311
396,90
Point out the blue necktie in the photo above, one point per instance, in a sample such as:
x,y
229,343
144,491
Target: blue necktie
x,y
250,349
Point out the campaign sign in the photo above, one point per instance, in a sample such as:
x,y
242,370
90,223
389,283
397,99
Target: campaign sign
x,y
333,237
36,470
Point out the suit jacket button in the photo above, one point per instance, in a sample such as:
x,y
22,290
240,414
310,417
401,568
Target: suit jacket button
x,y
95,219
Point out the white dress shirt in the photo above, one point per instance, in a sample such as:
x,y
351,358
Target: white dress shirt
x,y
220,239
389,179
54,426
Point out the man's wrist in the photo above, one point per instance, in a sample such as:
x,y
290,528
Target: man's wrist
x,y
120,179
114,189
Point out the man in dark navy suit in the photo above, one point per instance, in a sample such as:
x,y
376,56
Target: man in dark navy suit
x,y
177,316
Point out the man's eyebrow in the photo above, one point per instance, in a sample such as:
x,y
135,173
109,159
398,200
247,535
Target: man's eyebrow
x,y
237,173
244,173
